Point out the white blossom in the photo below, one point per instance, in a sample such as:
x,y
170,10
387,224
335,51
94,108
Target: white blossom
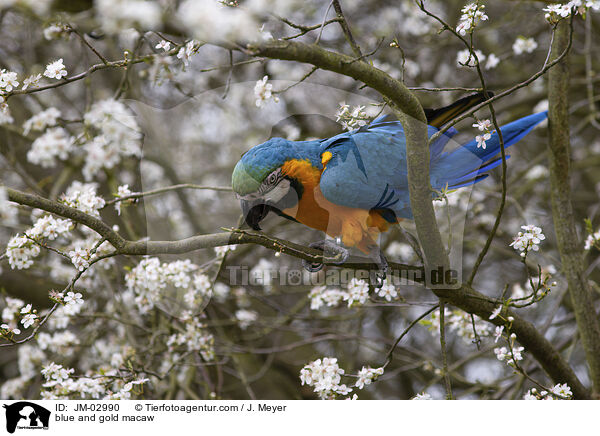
x,y
5,116
492,61
55,31
13,307
55,70
10,329
221,251
73,298
263,92
163,45
422,396
31,81
245,318
59,342
118,135
367,375
122,191
185,53
83,196
21,251
495,312
80,258
116,15
194,338
562,390
465,58
483,125
50,228
498,333
8,81
481,140
28,320
351,119
529,239
590,241
214,20
55,374
524,45
316,297
358,291
55,143
388,291
325,376
472,14
41,120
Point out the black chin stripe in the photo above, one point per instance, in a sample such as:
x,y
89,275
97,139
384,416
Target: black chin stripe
x,y
295,183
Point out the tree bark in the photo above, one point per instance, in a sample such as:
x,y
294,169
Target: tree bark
x,y
569,244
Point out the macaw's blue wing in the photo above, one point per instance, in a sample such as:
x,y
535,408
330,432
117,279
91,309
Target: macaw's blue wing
x,y
466,164
367,169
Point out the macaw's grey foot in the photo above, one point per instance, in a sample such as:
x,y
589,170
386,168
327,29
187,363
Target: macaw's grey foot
x,y
379,275
329,249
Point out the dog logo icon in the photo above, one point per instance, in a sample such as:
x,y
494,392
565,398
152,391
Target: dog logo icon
x,y
26,415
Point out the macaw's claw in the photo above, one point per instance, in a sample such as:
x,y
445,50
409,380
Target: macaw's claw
x,y
329,249
379,275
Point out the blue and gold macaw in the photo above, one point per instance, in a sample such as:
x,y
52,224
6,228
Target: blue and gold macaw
x,y
354,185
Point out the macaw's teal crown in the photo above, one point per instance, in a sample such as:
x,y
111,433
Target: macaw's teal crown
x,y
260,161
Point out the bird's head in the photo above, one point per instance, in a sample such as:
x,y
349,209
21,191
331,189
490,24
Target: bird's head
x,y
260,182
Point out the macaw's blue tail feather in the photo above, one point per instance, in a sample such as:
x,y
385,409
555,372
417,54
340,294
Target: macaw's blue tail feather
x,y
464,165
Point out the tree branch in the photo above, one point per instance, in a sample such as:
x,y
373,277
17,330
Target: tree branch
x,y
568,241
464,298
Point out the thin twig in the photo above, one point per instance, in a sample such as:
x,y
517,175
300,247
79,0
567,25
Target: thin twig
x,y
446,374
390,354
346,29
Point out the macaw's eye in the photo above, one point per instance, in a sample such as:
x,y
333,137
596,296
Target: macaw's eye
x,y
272,179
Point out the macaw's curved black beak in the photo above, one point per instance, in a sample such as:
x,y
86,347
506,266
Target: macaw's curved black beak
x,y
254,212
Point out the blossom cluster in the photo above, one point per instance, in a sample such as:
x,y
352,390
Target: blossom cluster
x,y
557,11
60,383
8,81
528,239
41,120
351,119
556,392
472,14
510,355
325,377
186,52
83,196
524,45
592,239
21,251
483,126
15,312
55,143
118,135
356,294
55,70
149,277
195,337
460,323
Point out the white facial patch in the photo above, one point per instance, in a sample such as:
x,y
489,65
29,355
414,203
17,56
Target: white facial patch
x,y
278,192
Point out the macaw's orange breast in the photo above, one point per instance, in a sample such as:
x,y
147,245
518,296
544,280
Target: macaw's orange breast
x,y
356,227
